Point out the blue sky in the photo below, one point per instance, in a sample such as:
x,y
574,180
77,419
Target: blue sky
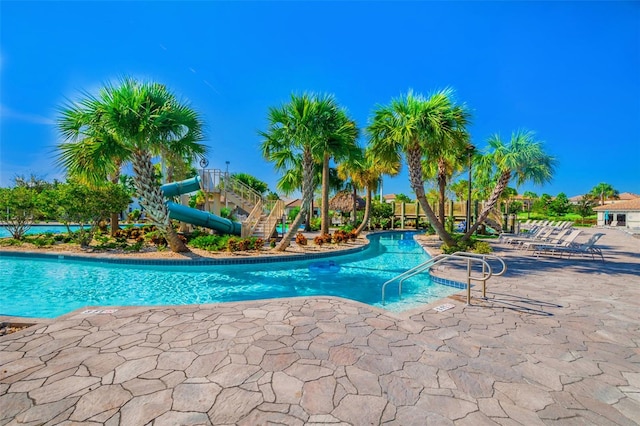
x,y
570,71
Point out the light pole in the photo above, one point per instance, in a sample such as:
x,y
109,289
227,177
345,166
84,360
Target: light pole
x,y
468,218
226,182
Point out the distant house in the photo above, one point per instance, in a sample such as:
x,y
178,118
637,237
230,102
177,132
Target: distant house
x,y
289,205
621,213
389,198
576,199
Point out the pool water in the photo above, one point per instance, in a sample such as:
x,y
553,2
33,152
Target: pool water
x,y
49,288
41,229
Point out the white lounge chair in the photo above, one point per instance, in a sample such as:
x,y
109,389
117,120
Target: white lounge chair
x,y
586,248
561,241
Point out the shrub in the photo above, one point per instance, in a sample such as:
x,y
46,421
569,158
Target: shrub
x,y
137,246
155,238
272,243
318,240
315,223
347,228
482,247
301,239
9,242
42,241
232,244
258,243
210,242
340,237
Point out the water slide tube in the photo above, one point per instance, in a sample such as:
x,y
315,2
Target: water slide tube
x,y
195,216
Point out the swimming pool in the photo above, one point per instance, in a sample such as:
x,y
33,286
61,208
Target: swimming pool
x,y
52,287
41,229
46,228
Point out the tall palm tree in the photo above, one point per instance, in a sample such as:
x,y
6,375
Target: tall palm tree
x,y
336,139
523,158
443,170
131,122
604,191
292,133
97,157
415,126
365,172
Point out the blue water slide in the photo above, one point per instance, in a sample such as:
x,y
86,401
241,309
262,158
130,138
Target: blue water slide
x,y
195,216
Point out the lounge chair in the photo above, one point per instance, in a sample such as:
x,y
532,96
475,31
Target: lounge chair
x,y
563,240
529,233
583,249
540,236
546,239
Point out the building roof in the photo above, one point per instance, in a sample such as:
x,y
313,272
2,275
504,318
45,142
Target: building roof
x,y
293,203
628,205
628,196
389,196
576,198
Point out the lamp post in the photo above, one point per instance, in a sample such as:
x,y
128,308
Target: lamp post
x,y
226,181
468,218
203,183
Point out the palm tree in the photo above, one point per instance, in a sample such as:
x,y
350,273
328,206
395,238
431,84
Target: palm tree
x,y
523,158
530,196
365,172
415,126
604,191
336,139
288,142
131,122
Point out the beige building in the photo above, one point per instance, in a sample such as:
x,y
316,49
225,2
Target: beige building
x,y
621,213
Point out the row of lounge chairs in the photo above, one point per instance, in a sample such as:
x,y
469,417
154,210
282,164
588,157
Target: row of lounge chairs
x,y
547,223
553,240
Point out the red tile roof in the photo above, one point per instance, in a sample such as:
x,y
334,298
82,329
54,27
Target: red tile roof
x,y
620,206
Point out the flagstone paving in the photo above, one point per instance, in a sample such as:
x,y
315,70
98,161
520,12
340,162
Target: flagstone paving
x,y
556,342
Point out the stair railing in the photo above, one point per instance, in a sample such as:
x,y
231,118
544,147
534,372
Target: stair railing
x,y
471,258
276,210
251,222
215,180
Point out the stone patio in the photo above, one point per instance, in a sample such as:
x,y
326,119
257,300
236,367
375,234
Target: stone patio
x,y
556,342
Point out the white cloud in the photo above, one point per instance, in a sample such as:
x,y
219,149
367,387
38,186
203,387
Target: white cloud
x,y
9,114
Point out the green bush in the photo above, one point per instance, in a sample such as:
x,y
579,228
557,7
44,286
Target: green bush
x,y
42,241
5,242
137,246
482,247
316,223
347,228
210,242
472,245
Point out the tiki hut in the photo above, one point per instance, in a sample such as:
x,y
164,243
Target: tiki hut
x,y
343,202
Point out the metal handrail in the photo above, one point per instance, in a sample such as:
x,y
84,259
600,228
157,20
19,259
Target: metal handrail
x,y
215,180
487,270
275,212
251,222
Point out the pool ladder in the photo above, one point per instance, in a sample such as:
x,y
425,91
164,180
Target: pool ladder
x,y
470,258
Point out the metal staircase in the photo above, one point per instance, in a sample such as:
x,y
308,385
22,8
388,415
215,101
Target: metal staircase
x,y
263,215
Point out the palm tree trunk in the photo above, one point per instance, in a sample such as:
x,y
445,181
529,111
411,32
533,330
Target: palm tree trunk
x,y
414,155
115,226
324,226
152,199
442,185
367,211
355,205
307,196
505,177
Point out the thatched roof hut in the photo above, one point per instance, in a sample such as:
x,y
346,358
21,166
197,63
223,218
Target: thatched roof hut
x,y
343,201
